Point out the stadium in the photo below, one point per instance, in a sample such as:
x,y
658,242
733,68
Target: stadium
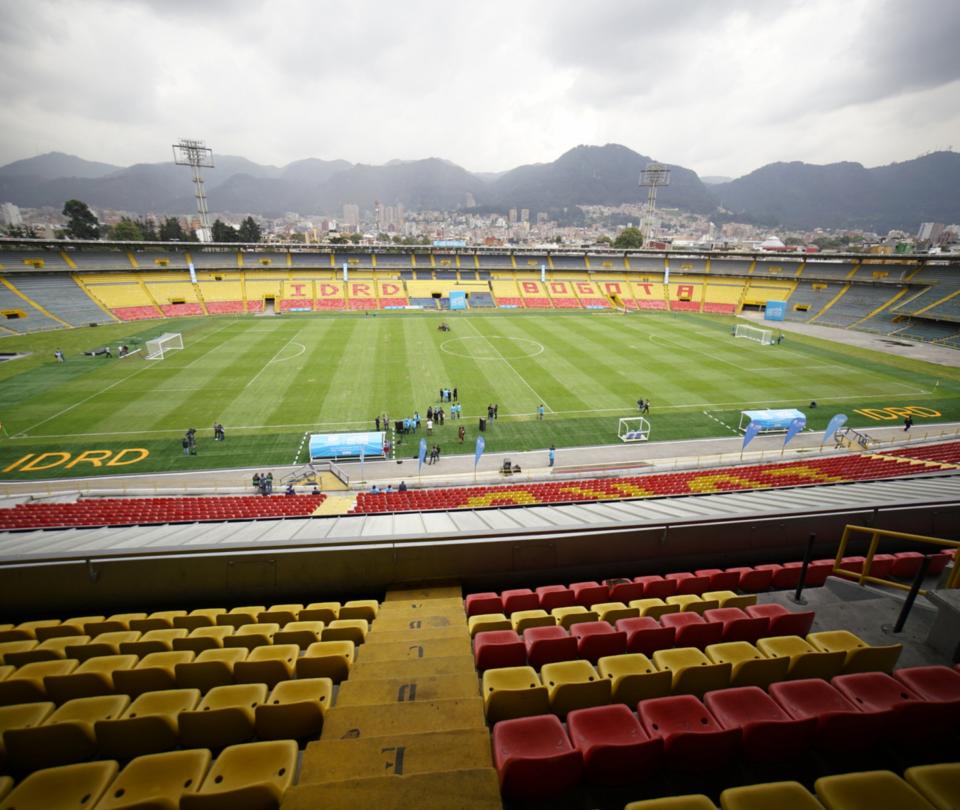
x,y
689,541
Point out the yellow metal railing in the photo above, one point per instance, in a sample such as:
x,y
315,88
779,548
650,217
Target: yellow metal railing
x,y
875,536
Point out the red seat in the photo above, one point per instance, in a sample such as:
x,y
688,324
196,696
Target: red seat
x,y
817,571
656,587
841,726
934,684
545,645
737,625
782,622
753,580
784,577
646,635
534,758
689,583
493,649
906,564
692,630
589,593
519,599
910,719
615,748
479,603
720,580
768,733
597,639
938,562
692,738
625,590
553,596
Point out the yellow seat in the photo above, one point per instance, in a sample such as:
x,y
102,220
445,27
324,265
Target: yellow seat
x,y
66,736
633,678
574,685
805,660
484,622
6,670
320,612
860,656
154,671
103,644
327,659
693,801
610,612
23,715
158,620
52,649
64,787
252,636
513,692
750,666
360,609
294,710
208,637
14,647
70,627
354,630
653,607
209,669
566,617
730,599
147,726
693,673
868,790
93,677
154,641
201,617
225,716
246,776
939,784
522,619
269,665
239,616
280,614
6,785
691,602
157,780
26,684
303,634
113,624
779,795
25,630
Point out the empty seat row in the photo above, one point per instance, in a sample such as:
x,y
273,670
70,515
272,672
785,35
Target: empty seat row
x,y
535,637
39,735
254,775
537,758
518,691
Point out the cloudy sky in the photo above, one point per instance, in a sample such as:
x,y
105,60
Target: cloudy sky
x,y
719,86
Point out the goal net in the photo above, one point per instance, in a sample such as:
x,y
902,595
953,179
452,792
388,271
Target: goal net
x,y
633,429
763,336
157,348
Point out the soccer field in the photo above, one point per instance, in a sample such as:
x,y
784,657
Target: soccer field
x,y
271,380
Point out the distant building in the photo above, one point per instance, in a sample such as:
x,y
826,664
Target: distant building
x,y
513,216
930,231
10,214
524,214
351,215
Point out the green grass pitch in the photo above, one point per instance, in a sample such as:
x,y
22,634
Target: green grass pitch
x,y
270,380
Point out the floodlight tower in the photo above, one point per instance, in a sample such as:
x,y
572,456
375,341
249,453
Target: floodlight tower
x,y
196,155
652,177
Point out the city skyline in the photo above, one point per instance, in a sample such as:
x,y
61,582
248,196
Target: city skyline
x,y
721,90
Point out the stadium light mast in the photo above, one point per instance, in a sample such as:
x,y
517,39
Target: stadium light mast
x,y
652,178
196,155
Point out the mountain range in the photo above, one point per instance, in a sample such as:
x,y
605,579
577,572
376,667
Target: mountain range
x,y
792,195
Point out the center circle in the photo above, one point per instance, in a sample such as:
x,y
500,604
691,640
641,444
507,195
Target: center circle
x,y
478,347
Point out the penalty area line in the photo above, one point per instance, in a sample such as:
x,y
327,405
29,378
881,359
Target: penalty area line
x,y
721,422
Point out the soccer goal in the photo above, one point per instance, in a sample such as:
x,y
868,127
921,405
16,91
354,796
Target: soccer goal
x,y
763,336
157,348
633,429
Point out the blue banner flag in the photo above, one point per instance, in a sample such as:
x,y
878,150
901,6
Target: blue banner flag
x,y
836,423
752,430
481,444
795,427
422,454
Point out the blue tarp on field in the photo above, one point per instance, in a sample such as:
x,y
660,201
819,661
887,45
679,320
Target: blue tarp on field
x,y
775,311
346,445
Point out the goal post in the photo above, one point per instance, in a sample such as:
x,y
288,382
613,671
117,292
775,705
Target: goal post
x,y
157,348
755,333
633,429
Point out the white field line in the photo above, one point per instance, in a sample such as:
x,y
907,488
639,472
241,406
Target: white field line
x,y
264,367
720,422
319,425
510,366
